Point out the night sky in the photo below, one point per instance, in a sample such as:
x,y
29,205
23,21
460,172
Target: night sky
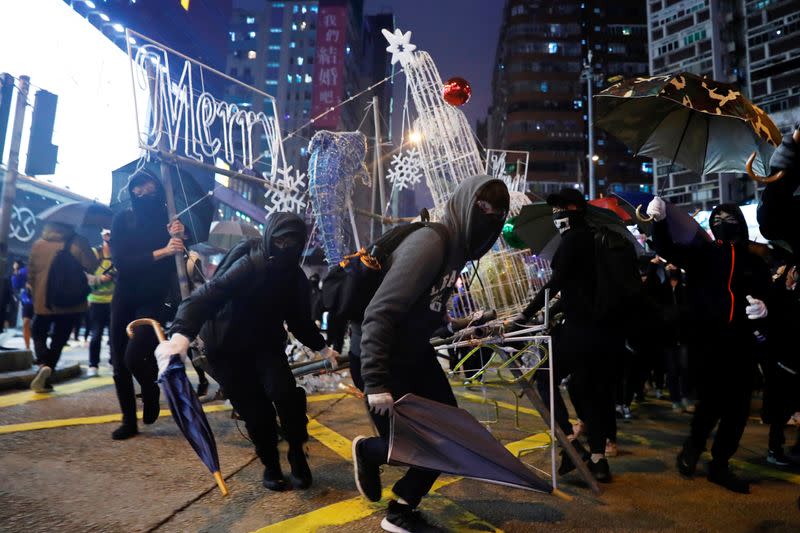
x,y
460,35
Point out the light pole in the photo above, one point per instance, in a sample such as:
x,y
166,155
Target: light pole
x,y
588,75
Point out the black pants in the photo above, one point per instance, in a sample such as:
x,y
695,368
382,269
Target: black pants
x,y
261,385
62,326
780,402
81,319
99,320
355,355
726,369
677,363
337,328
134,357
426,379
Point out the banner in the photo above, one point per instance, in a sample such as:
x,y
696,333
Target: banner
x,y
329,65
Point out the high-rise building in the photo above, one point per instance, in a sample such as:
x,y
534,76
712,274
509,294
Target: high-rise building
x,y
540,101
773,30
704,37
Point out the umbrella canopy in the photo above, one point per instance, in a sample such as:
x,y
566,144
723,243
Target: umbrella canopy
x,y
435,436
704,125
88,213
226,234
190,418
683,228
534,227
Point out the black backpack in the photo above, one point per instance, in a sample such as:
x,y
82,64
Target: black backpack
x,y
349,286
67,285
213,331
618,284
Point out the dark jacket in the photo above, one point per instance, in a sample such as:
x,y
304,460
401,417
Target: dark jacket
x,y
777,212
259,300
721,275
574,275
412,299
140,279
784,317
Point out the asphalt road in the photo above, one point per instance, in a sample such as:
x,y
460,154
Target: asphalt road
x,y
62,472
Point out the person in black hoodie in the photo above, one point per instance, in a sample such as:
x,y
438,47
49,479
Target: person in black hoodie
x,y
727,291
409,305
590,359
246,351
143,243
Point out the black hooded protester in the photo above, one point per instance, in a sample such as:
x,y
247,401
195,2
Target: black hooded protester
x,y
409,305
727,291
777,211
239,315
587,344
143,243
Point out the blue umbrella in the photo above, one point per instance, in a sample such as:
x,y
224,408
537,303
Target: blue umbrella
x,y
186,408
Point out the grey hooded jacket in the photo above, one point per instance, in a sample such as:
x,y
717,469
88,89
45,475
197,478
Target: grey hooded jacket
x,y
412,299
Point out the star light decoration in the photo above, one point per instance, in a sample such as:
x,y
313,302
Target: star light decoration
x,y
399,46
406,170
291,196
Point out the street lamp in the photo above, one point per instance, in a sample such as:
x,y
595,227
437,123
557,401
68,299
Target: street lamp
x,y
595,158
415,137
588,75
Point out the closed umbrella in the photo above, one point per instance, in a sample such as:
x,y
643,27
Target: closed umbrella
x,y
705,125
432,435
186,408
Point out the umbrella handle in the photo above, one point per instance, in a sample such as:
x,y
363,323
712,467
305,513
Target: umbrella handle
x,y
642,218
147,322
774,177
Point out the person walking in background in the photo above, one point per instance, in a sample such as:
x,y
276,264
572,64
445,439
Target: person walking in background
x,y
676,350
102,284
19,284
144,245
55,280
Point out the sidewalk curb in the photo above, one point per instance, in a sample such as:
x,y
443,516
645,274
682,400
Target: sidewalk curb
x,y
21,379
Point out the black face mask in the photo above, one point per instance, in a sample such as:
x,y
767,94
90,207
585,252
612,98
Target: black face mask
x,y
566,220
484,231
289,253
726,228
148,204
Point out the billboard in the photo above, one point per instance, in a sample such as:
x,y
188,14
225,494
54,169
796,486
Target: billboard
x,y
329,65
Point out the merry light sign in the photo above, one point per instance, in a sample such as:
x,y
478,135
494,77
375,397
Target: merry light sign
x,y
187,121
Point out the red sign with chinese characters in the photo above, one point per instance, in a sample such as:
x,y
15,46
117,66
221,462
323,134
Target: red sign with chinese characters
x,y
329,65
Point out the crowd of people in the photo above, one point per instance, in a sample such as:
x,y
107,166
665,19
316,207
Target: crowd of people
x,y
705,322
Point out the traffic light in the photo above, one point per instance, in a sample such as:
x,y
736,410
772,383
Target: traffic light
x,y
42,152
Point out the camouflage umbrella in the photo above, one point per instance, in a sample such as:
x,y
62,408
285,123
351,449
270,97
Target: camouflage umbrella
x,y
704,125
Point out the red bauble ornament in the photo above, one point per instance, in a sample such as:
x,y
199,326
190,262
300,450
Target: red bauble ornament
x,y
456,91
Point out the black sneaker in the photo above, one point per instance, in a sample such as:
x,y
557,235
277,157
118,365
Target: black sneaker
x,y
202,389
301,473
125,431
405,519
567,465
778,458
368,477
273,479
722,476
600,470
687,461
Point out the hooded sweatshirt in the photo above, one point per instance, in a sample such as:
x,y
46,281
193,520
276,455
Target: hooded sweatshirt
x,y
779,207
259,300
135,234
721,275
411,300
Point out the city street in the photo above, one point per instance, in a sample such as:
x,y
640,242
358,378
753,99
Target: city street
x,y
62,471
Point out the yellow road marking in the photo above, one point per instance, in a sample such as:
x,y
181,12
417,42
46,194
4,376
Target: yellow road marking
x,y
17,398
105,419
339,444
504,405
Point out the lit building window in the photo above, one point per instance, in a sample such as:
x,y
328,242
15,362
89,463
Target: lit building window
x,y
303,25
347,49
626,31
308,78
251,20
274,47
294,26
298,78
252,34
251,54
300,61
292,44
303,9
289,78
272,82
233,36
552,48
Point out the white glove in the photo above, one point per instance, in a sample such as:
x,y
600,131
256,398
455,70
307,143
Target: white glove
x,y
381,403
757,309
657,209
330,354
177,345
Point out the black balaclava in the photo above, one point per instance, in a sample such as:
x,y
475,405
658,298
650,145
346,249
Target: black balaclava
x,y
284,238
565,219
150,207
728,224
485,227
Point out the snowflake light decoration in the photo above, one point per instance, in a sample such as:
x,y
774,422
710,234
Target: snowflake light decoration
x,y
406,170
291,194
399,46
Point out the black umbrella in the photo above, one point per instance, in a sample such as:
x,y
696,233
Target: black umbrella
x,y
705,125
682,226
77,214
534,227
186,408
435,436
